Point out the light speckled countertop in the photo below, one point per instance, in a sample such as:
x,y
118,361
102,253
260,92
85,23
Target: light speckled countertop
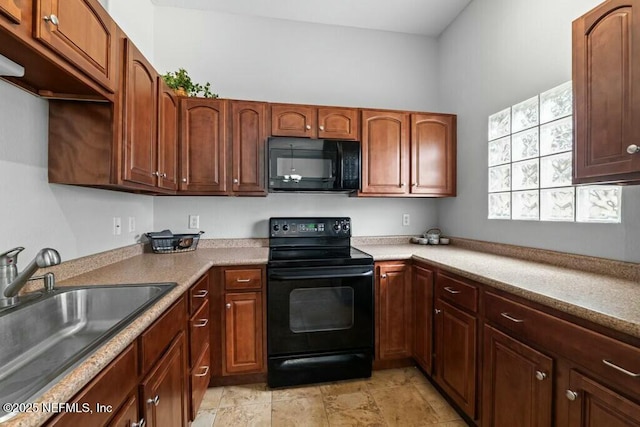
x,y
602,299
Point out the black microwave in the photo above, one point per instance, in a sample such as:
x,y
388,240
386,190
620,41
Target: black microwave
x,y
302,164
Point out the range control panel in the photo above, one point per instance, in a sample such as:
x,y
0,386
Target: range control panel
x,y
310,227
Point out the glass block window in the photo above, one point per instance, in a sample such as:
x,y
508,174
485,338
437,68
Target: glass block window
x,y
530,165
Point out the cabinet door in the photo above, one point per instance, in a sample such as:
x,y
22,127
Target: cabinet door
x,y
293,120
393,313
433,154
456,341
11,11
83,33
243,346
338,123
128,415
248,139
606,78
517,383
163,391
140,137
594,405
385,152
423,315
203,146
167,137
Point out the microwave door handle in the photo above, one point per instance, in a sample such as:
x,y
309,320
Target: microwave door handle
x,y
310,275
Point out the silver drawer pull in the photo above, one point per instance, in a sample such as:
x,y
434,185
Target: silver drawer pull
x,y
202,324
141,423
201,294
618,368
513,319
206,371
52,18
155,400
451,290
243,280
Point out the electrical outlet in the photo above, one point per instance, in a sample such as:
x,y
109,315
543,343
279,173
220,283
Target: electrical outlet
x,y
117,226
132,224
194,221
406,219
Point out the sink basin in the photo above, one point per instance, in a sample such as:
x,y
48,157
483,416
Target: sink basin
x,y
43,340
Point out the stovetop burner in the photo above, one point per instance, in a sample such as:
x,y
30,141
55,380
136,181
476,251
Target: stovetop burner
x,y
316,256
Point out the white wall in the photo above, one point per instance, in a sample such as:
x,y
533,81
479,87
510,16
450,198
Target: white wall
x,y
268,59
238,217
35,214
136,18
495,54
283,61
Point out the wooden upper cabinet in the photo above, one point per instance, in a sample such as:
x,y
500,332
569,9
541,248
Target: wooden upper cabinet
x,y
82,32
248,138
11,11
606,79
167,137
140,137
433,154
293,120
309,121
338,123
385,152
203,146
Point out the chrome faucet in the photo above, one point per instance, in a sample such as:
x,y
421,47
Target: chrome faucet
x,y
11,282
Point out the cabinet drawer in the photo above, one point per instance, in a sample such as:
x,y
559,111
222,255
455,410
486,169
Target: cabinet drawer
x,y
249,278
199,380
198,294
158,336
600,354
122,371
198,333
460,293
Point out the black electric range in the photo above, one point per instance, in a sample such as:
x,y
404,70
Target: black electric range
x,y
320,320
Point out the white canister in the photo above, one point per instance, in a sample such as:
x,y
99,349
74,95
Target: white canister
x,y
433,236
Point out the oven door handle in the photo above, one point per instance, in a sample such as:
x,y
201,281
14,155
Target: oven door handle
x,y
317,275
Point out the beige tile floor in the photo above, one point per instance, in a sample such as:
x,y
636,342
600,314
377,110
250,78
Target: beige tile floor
x,y
395,397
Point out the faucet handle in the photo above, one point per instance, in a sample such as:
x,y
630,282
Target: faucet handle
x,y
49,280
10,257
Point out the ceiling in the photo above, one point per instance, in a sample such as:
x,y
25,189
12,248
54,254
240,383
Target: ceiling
x,y
423,17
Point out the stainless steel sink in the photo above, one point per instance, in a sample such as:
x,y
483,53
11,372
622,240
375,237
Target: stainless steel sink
x,y
44,339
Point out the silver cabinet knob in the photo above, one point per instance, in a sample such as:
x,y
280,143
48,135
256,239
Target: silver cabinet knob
x,y
321,127
164,175
228,306
308,127
402,184
155,400
414,185
633,149
384,276
437,311
156,173
571,395
540,375
52,18
235,180
184,179
141,423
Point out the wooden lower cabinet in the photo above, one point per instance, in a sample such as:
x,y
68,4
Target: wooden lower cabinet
x,y
393,311
423,316
163,390
455,353
593,404
243,338
128,415
517,383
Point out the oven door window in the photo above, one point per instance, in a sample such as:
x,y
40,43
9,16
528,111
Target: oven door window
x,y
321,309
